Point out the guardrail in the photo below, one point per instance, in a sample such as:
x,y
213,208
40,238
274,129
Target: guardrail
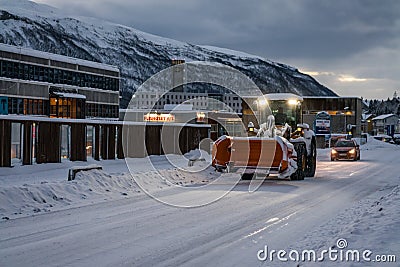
x,y
74,170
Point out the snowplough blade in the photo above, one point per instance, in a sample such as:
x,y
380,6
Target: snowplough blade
x,y
251,153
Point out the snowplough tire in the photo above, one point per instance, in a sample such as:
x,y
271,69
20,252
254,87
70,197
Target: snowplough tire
x,y
247,176
311,164
301,157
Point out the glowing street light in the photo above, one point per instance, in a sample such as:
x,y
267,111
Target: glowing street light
x,y
345,118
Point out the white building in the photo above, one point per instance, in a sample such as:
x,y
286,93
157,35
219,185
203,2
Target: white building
x,y
200,101
385,124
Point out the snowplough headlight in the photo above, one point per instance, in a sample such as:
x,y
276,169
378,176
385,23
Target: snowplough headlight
x,y
352,151
262,102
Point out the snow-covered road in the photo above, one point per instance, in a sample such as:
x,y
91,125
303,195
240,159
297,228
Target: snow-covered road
x,y
139,231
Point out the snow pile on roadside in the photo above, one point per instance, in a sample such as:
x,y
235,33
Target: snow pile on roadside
x,y
90,187
155,180
198,154
372,224
374,144
93,185
380,221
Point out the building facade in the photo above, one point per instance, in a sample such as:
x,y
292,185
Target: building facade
x,y
200,101
345,113
38,83
200,96
386,124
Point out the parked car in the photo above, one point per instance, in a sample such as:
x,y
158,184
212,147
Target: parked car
x,y
345,149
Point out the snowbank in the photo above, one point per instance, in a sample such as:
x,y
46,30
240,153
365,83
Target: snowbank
x,y
44,194
94,185
369,224
372,143
372,224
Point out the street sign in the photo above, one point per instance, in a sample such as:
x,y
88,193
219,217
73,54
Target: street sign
x,y
322,123
349,127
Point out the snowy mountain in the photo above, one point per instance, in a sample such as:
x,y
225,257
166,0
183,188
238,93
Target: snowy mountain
x,y
138,55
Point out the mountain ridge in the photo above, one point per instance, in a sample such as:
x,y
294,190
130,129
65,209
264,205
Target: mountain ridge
x,y
138,55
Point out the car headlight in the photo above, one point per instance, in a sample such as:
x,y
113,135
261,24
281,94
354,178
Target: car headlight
x,y
334,151
352,151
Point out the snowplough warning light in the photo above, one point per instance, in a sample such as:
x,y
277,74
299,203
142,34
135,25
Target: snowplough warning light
x,y
250,127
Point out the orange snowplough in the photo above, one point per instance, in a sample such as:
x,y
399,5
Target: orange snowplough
x,y
275,149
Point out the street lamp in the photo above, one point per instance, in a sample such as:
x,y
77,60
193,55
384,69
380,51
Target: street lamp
x,y
345,119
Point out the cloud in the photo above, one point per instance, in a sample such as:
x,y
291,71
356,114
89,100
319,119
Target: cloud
x,y
318,73
274,28
349,78
358,38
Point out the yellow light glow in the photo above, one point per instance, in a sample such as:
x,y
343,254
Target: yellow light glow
x,y
159,117
349,78
201,115
262,102
312,73
292,102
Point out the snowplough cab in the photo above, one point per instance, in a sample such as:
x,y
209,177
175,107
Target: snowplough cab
x,y
272,148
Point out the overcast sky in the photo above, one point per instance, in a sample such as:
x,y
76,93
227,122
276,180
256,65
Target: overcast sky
x,y
350,46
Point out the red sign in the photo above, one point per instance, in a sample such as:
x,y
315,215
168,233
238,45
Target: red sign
x,y
159,117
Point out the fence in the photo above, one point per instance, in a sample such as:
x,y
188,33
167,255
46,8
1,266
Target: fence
x,y
47,140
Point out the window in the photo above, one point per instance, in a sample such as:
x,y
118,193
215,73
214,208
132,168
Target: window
x,y
56,76
20,106
35,73
51,75
31,72
25,71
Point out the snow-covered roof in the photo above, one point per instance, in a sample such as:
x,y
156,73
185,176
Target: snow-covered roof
x,y
182,107
71,60
70,95
283,96
382,117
